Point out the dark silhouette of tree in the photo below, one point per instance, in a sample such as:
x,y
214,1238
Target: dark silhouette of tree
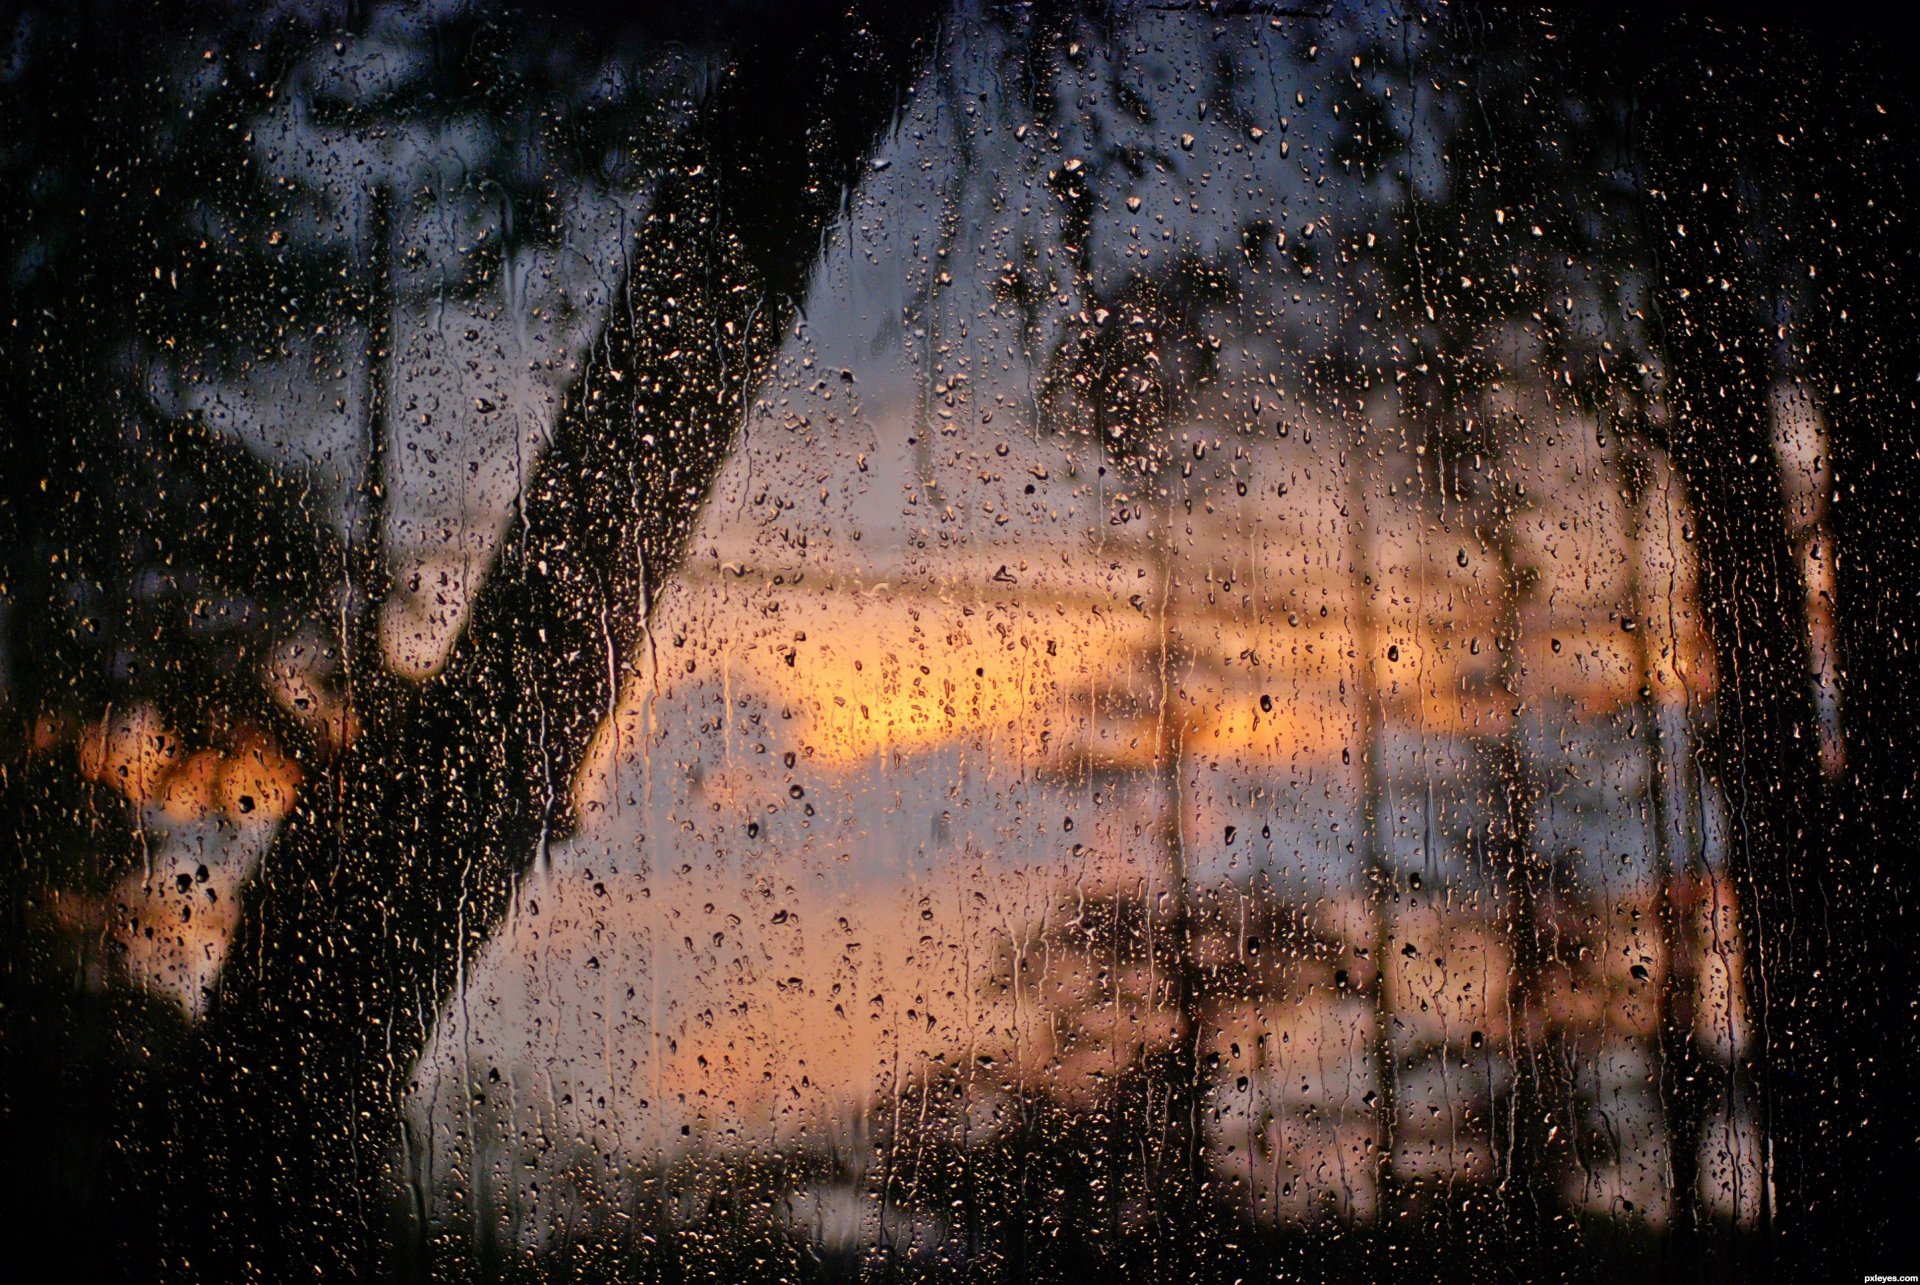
x,y
151,562
1862,362
1679,879
450,791
1712,227
1690,169
377,890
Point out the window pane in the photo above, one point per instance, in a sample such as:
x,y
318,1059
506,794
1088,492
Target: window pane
x,y
1019,642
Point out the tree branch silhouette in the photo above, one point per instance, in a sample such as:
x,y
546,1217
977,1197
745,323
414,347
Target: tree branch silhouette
x,y
387,879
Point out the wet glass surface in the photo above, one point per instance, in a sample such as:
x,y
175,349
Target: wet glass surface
x,y
1023,642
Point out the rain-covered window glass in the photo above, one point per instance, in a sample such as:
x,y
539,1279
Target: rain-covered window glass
x,y
1014,642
